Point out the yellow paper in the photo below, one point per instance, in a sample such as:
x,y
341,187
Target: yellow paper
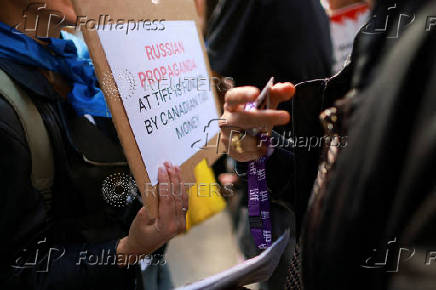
x,y
205,199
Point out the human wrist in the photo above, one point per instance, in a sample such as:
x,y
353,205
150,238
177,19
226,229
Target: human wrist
x,y
126,253
122,246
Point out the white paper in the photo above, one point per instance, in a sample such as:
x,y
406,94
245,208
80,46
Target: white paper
x,y
176,112
257,269
344,25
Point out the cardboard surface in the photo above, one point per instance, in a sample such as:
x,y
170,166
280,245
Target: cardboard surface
x,y
137,10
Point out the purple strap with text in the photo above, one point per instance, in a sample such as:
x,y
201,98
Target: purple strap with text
x,y
258,204
259,211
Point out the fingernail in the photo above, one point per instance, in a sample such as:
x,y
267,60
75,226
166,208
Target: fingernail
x,y
167,164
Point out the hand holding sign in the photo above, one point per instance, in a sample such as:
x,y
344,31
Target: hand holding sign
x,y
148,234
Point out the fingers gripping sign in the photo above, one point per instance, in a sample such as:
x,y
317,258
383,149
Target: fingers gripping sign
x,y
147,235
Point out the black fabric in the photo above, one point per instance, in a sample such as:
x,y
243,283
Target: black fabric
x,y
383,178
79,220
101,149
30,78
385,173
383,183
252,40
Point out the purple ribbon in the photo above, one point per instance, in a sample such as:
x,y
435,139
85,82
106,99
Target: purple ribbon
x,y
259,210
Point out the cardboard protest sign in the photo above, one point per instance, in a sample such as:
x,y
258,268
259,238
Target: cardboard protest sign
x,y
151,63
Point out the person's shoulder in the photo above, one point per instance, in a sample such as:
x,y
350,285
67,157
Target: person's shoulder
x,y
10,124
27,80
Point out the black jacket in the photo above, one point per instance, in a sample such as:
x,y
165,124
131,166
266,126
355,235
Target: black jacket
x,y
251,41
381,193
79,228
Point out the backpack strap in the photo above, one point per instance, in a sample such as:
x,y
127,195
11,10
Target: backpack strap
x,y
36,135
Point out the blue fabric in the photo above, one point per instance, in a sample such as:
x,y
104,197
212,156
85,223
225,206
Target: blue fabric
x,y
59,55
82,49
